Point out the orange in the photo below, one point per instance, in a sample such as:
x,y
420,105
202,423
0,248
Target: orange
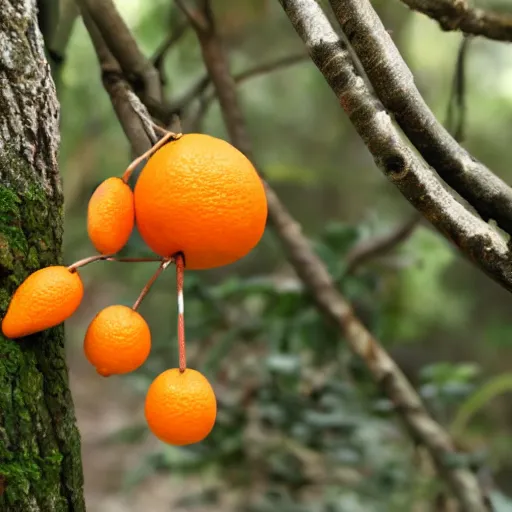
x,y
118,340
180,407
45,299
200,196
110,216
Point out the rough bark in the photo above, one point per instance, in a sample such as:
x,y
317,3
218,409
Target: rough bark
x,y
40,466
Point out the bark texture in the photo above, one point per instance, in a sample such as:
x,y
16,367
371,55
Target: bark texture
x,y
40,466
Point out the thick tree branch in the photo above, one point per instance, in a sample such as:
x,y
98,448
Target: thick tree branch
x,y
312,270
118,38
394,84
379,245
459,15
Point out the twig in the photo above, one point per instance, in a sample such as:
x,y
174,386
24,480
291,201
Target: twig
x,y
394,84
198,90
119,90
123,46
86,261
163,265
417,182
456,112
166,138
173,38
379,245
459,15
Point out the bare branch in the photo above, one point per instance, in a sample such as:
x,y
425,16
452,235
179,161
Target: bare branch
x,y
173,38
380,245
315,28
123,46
194,15
118,90
394,84
459,15
199,89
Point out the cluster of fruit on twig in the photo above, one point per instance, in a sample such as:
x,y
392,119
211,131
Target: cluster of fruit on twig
x,y
199,203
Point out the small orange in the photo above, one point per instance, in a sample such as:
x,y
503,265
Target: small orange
x,y
45,299
200,196
180,407
110,216
118,340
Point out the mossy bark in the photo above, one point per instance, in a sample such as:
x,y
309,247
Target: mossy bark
x,y
40,465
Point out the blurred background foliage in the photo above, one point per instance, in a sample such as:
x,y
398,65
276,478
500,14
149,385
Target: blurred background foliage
x,y
300,427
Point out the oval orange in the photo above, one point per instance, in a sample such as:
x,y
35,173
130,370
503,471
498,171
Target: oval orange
x,y
200,196
180,407
45,299
110,216
117,341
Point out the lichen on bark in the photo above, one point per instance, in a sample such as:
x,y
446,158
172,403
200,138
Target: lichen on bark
x,y
40,465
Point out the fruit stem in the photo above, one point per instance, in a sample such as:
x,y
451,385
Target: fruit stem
x,y
180,273
149,152
163,265
86,261
134,260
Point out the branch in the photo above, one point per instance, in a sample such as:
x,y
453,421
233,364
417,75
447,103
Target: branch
x,y
199,89
312,270
458,15
420,186
394,84
123,46
174,37
379,245
118,90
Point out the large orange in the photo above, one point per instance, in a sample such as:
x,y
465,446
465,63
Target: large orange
x,y
180,407
45,299
118,340
200,196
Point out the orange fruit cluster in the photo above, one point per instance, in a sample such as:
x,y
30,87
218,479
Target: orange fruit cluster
x,y
197,201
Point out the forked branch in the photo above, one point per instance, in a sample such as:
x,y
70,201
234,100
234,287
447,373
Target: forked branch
x,y
394,84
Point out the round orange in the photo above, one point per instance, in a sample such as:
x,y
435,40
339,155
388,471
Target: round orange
x,y
118,340
180,407
45,299
110,216
200,196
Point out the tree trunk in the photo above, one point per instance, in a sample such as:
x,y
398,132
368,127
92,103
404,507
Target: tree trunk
x,y
40,466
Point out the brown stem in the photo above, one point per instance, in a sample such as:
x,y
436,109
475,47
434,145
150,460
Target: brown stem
x,y
168,136
86,261
134,260
165,263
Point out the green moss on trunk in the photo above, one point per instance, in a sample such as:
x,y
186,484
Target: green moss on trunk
x,y
39,443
